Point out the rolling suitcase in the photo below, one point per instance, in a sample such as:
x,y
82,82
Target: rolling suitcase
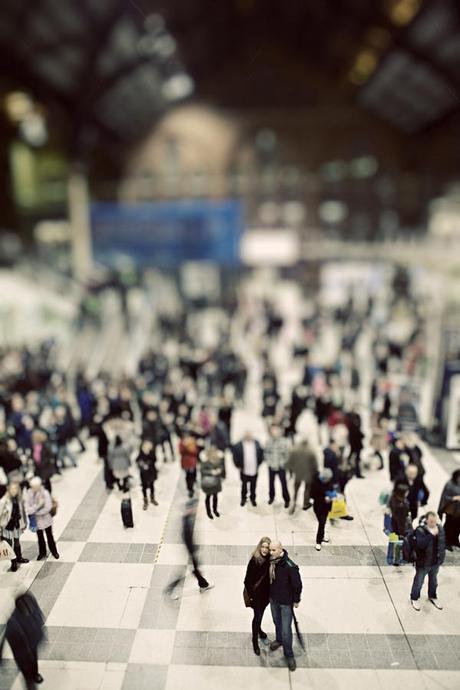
x,y
127,512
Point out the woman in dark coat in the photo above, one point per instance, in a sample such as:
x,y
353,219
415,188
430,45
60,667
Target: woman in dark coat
x,y
257,586
148,472
450,505
212,470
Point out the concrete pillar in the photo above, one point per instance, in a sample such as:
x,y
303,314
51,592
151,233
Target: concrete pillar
x,y
80,228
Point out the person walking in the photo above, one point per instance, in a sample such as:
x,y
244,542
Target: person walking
x,y
450,506
188,523
285,593
188,451
24,633
277,454
148,472
322,490
430,548
39,504
212,469
303,464
257,589
248,455
13,521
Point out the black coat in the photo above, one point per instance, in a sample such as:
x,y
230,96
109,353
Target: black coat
x,y
24,632
286,588
238,454
258,573
425,547
331,461
416,489
146,463
318,494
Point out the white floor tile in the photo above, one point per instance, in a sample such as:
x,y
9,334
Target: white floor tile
x,y
152,647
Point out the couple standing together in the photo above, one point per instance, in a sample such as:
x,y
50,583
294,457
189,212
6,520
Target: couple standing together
x,y
273,578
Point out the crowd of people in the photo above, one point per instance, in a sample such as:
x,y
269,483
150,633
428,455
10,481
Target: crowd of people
x,y
180,407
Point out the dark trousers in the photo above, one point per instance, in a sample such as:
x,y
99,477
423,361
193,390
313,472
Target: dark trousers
x,y
202,582
282,618
356,455
248,481
208,503
306,493
257,621
109,479
190,479
282,477
147,486
452,529
321,515
420,575
16,546
50,539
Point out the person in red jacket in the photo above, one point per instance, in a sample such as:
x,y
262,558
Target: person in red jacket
x,y
188,450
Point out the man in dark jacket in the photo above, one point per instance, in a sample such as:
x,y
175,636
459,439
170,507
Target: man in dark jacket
x,y
285,592
24,633
430,547
248,456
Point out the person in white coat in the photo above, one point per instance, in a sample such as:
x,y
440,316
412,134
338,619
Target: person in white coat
x,y
39,506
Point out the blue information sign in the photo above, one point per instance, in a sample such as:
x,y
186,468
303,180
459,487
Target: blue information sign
x,y
166,234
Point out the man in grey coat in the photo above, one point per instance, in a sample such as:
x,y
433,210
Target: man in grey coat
x,y
303,464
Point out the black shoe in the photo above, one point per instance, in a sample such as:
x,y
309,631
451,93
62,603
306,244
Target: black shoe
x,y
41,556
55,555
243,502
14,566
263,635
210,516
291,663
347,517
270,501
38,679
22,560
153,500
216,513
256,648
286,504
253,502
275,645
307,507
449,547
360,476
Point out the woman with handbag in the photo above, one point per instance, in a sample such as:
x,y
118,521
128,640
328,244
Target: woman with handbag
x,y
450,505
40,504
212,469
257,589
13,521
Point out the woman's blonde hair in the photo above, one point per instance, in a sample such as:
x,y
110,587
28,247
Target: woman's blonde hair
x,y
256,553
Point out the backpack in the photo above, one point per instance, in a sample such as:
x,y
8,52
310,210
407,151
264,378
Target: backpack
x,y
409,547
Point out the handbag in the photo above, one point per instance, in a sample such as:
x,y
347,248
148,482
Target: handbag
x,y
387,523
246,596
338,508
6,552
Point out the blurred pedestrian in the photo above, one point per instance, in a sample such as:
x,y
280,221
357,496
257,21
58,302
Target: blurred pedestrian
x,y
13,521
248,455
277,454
450,506
148,472
39,504
303,464
211,468
188,450
24,633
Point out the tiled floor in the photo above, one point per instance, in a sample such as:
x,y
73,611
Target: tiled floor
x,y
110,627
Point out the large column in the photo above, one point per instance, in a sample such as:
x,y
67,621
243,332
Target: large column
x,y
79,218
